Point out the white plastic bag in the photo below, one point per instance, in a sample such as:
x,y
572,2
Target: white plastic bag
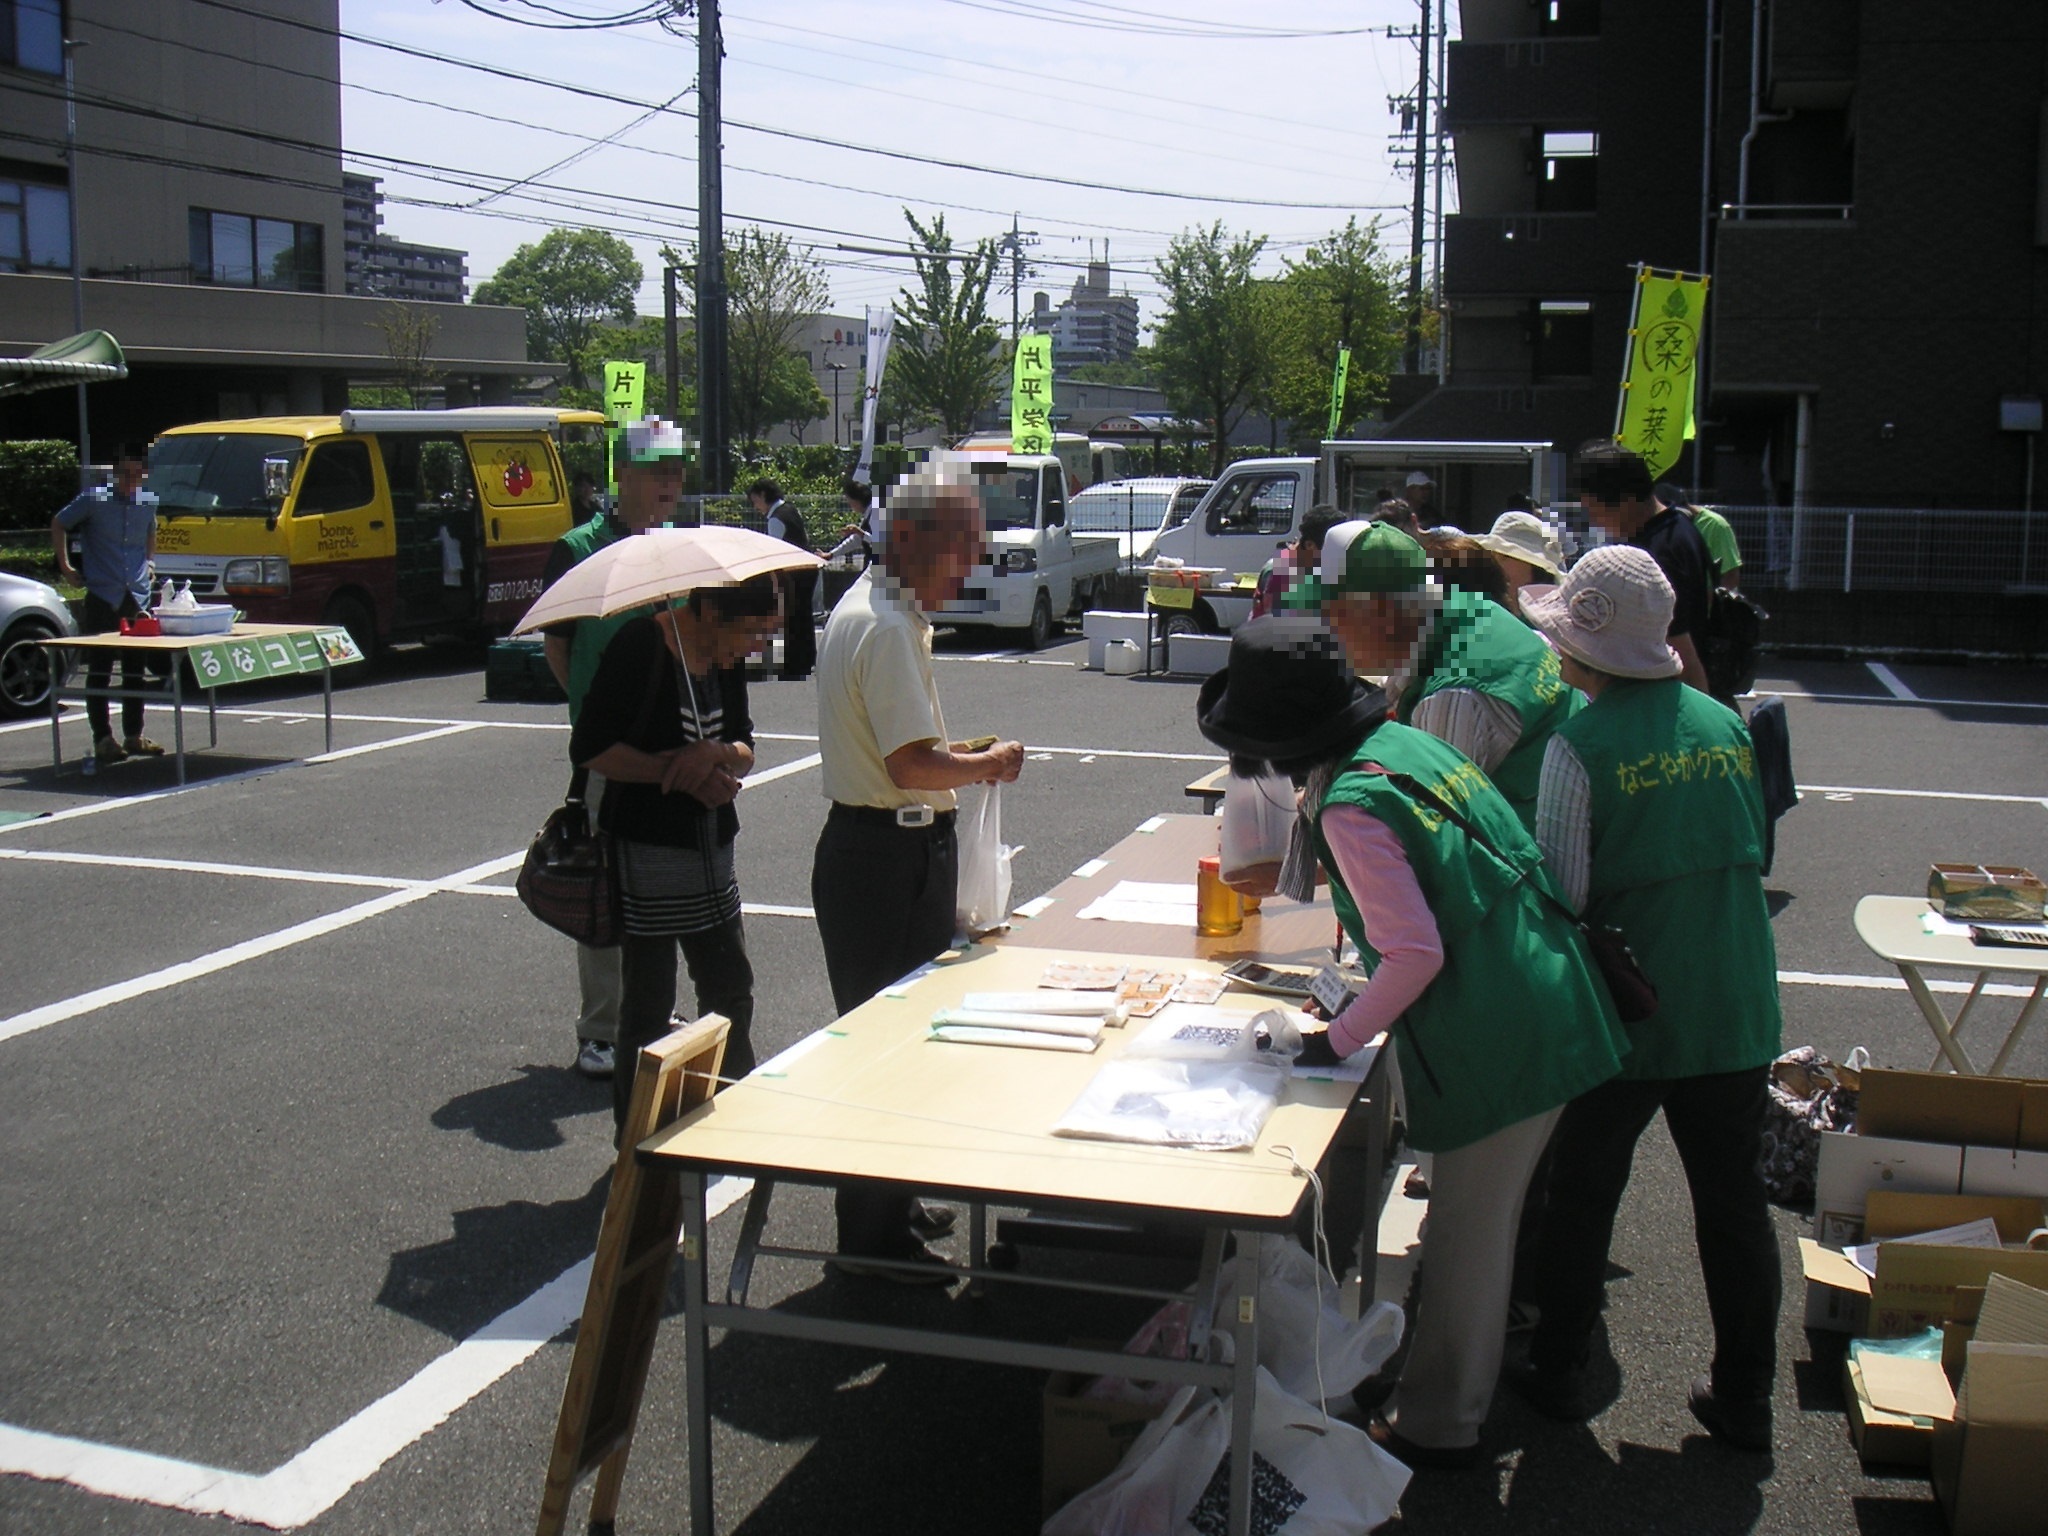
x,y
983,902
1160,1478
1258,822
1299,1318
1213,1106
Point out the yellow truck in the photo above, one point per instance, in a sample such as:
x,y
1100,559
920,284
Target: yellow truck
x,y
392,524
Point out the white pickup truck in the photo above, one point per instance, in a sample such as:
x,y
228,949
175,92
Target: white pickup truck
x,y
1038,569
1256,506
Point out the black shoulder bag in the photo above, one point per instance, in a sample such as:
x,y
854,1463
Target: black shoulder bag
x,y
1634,994
570,879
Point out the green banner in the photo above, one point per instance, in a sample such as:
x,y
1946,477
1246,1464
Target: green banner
x,y
247,658
624,386
1655,418
1337,389
1031,395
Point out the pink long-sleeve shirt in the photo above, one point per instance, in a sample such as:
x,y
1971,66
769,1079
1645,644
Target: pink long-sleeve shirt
x,y
1397,922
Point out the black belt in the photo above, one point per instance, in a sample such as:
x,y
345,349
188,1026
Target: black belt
x,y
879,816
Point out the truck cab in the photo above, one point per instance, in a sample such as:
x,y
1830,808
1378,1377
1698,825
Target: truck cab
x,y
1256,506
1035,567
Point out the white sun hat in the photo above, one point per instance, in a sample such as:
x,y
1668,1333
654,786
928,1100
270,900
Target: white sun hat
x,y
1526,537
1612,613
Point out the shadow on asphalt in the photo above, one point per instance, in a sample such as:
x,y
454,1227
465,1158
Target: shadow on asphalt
x,y
137,776
499,1255
523,1114
1698,1487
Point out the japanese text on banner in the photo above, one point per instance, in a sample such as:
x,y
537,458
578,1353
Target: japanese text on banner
x,y
1657,393
1031,395
624,385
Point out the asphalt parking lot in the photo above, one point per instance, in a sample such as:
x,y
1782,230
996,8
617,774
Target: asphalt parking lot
x,y
298,1185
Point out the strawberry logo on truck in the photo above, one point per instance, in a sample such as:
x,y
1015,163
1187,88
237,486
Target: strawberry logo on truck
x,y
518,478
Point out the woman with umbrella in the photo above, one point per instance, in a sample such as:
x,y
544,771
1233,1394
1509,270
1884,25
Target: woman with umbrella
x,y
665,721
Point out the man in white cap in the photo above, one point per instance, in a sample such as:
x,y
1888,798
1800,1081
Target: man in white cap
x,y
1419,491
1651,820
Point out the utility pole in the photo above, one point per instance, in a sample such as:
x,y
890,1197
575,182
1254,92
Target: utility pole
x,y
71,47
1421,190
711,327
1013,245
672,345
1438,154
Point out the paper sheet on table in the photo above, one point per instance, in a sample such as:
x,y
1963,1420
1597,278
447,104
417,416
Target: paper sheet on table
x,y
1981,1233
1045,1000
1144,901
1029,1039
1083,1028
1941,927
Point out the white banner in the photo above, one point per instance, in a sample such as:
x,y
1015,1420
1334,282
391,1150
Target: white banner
x,y
881,329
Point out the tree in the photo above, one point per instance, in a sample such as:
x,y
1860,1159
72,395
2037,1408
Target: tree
x,y
1142,370
1343,290
772,289
948,361
408,331
1210,343
569,283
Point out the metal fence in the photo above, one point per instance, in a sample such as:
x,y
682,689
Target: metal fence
x,y
1891,549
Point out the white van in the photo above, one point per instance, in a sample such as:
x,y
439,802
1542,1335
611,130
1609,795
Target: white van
x,y
1256,506
1136,511
1038,569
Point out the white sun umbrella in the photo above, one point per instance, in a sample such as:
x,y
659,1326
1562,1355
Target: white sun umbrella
x,y
659,564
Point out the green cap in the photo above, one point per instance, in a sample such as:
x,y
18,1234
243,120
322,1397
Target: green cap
x,y
651,439
1361,557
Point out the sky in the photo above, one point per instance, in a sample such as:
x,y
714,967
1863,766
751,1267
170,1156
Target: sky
x,y
1085,90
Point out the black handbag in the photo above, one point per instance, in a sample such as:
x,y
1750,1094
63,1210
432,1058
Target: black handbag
x,y
1634,994
570,877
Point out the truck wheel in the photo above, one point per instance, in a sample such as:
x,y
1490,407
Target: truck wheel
x,y
351,613
1041,622
1183,624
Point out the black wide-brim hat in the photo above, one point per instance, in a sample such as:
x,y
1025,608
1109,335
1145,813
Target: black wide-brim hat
x,y
1287,693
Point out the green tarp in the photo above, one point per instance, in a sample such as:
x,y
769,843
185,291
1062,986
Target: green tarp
x,y
90,357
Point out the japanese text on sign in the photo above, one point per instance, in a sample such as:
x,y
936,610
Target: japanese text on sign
x,y
244,659
1655,418
1031,395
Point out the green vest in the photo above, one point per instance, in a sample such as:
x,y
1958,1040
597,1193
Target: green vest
x,y
1477,644
591,636
1677,866
1518,1021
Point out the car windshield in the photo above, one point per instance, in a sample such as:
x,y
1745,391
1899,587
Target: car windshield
x,y
216,476
1104,510
1010,501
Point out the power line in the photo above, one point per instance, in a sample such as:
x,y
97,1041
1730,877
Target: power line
x,y
1035,12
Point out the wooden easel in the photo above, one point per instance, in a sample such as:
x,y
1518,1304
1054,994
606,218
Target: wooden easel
x,y
636,1245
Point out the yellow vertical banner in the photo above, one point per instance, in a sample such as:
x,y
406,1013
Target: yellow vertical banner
x,y
1656,414
625,384
1031,395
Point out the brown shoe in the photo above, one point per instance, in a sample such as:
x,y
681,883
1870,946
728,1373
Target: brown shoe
x,y
108,750
1425,1458
141,746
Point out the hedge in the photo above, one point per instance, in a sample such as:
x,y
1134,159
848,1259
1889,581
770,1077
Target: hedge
x,y
37,476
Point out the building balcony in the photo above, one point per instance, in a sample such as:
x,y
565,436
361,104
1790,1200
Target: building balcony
x,y
1551,81
1812,53
1782,288
1523,255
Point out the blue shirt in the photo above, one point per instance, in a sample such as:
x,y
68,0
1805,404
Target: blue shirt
x,y
114,531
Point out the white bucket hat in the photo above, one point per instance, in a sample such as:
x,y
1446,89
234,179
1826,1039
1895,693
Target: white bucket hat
x,y
1612,613
1526,537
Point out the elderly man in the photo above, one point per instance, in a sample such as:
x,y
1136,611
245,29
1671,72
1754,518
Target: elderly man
x,y
1457,665
884,877
652,457
1620,500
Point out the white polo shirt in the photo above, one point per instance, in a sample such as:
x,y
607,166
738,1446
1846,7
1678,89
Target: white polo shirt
x,y
876,695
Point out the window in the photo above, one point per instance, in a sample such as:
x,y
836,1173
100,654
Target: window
x,y
1260,504
35,226
32,35
1564,339
1571,170
337,480
1055,498
238,250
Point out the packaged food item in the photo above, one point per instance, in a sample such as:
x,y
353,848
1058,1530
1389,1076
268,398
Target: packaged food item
x,y
1143,993
1199,989
1081,976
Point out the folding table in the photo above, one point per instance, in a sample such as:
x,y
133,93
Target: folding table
x,y
1895,928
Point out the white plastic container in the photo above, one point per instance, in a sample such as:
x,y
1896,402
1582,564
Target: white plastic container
x,y
206,619
1121,658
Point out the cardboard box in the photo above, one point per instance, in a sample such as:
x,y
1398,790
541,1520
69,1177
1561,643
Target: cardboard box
x,y
2002,1112
1996,1171
1986,893
1850,1168
1916,1283
1991,1458
1084,1438
1893,1406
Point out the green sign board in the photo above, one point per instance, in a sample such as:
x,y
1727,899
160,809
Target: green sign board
x,y
245,658
1031,395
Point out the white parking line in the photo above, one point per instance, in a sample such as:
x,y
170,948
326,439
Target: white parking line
x,y
317,1479
1890,681
203,867
396,741
248,949
1917,700
1891,984
1920,794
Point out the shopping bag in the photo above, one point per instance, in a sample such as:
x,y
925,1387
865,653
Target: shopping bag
x,y
1809,1094
1159,1480
1300,1321
1312,1475
1258,822
983,901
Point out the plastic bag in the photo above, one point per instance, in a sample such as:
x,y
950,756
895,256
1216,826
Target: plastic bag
x,y
1808,1095
1258,822
983,901
1214,1106
1161,1477
1299,1319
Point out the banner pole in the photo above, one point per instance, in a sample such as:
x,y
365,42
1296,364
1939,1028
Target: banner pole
x,y
1628,350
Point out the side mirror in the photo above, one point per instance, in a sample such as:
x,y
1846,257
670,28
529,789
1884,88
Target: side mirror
x,y
277,478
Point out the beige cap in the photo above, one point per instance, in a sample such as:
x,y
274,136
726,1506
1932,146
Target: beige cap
x,y
1612,612
1526,537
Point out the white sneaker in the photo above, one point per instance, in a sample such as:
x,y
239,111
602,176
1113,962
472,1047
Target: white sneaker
x,y
594,1058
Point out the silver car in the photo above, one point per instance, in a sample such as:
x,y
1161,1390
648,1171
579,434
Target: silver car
x,y
30,611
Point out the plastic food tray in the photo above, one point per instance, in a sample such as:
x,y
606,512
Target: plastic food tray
x,y
210,619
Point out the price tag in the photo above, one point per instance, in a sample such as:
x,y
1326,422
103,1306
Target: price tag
x,y
1332,989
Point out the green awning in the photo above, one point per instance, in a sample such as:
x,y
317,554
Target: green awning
x,y
90,357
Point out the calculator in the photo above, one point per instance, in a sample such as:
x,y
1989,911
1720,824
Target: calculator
x,y
2019,938
1281,980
